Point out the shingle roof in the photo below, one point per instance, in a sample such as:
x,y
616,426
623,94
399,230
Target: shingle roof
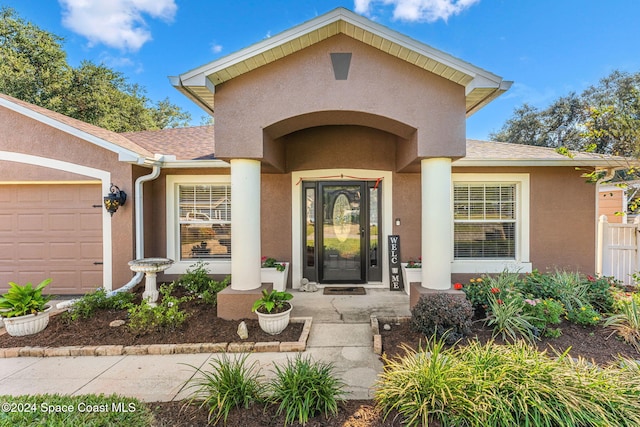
x,y
492,151
192,143
86,128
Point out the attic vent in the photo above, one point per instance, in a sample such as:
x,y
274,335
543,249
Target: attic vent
x,y
341,63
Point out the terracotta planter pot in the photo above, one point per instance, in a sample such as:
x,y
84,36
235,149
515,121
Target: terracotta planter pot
x,y
28,324
274,323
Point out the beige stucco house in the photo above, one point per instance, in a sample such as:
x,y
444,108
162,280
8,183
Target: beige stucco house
x,y
328,138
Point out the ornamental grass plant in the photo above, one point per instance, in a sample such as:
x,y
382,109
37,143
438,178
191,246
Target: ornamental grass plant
x,y
626,323
303,388
507,385
230,383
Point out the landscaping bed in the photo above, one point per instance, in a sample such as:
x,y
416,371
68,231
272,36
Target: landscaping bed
x,y
201,326
592,343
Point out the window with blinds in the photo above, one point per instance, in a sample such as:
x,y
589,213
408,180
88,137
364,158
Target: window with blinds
x,y
484,220
205,221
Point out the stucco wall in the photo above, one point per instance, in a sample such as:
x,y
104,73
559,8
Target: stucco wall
x,y
283,94
563,218
334,147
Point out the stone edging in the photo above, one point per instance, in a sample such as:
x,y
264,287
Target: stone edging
x,y
121,350
375,329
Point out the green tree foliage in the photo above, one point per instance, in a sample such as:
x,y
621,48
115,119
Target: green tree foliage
x,y
34,68
604,118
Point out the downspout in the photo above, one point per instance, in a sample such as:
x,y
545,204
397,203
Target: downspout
x,y
139,202
137,278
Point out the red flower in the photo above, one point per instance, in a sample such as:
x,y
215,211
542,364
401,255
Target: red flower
x,y
499,301
495,290
457,286
591,278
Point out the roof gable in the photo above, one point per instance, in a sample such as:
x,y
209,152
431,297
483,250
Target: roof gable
x,y
480,85
112,141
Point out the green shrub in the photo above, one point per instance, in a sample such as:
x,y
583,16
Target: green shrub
x,y
86,307
584,315
544,312
229,384
538,285
508,319
210,295
600,292
480,290
304,388
443,314
507,385
197,282
145,318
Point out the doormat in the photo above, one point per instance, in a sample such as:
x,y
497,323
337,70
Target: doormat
x,y
344,290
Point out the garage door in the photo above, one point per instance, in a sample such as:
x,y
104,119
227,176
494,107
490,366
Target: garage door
x,y
51,231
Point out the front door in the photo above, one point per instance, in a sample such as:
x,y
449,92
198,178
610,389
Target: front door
x,y
341,232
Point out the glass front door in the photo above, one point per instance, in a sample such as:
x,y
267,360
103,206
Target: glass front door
x,y
341,232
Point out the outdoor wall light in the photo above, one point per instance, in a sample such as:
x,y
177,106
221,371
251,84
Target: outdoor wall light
x,y
114,199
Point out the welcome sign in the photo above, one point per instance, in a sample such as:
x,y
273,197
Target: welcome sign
x,y
395,271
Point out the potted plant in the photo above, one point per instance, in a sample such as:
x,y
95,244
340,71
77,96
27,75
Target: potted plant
x,y
275,272
411,272
273,311
24,309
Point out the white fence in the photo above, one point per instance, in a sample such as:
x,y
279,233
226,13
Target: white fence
x,y
617,250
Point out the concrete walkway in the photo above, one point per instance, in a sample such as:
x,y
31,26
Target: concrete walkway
x,y
340,334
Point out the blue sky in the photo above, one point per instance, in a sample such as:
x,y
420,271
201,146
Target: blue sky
x,y
547,47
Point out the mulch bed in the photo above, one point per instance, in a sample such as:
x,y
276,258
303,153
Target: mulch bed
x,y
352,413
202,326
592,343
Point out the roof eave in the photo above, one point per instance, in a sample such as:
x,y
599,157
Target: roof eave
x,y
476,80
601,164
124,154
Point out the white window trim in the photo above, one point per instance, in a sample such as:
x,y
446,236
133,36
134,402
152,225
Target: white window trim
x,y
215,266
522,262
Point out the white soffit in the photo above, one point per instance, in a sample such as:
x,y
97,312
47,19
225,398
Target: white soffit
x,y
481,86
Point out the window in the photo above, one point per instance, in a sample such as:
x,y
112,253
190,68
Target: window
x,y
205,220
490,223
484,221
199,222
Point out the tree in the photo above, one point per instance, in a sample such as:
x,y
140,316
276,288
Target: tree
x,y
34,68
605,118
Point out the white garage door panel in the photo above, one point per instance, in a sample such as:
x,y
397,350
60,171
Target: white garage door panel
x,y
51,231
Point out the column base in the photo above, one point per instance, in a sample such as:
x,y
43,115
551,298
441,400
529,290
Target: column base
x,y
416,291
236,305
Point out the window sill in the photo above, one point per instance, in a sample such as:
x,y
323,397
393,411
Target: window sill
x,y
215,266
477,266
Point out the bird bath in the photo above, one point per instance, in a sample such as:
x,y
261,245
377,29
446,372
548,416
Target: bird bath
x,y
150,267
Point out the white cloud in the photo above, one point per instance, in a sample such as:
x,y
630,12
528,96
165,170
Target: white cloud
x,y
216,48
115,23
418,10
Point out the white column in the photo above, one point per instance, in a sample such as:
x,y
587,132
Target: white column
x,y
437,233
245,224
